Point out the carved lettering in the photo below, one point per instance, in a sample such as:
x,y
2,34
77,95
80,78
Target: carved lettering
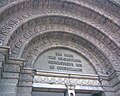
x,y
64,61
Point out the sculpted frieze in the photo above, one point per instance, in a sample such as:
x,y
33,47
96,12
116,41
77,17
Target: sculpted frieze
x,y
65,81
58,27
29,14
15,51
50,27
67,5
31,53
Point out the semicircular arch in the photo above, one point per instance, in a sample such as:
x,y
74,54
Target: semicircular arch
x,y
65,39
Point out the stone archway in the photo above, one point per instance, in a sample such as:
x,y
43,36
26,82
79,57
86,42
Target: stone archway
x,y
68,40
29,27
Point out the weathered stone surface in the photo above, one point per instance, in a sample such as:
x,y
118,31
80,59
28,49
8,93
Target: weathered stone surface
x,y
7,94
21,91
8,81
10,75
11,68
30,27
24,89
7,88
109,94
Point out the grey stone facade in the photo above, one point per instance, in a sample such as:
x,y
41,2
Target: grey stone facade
x,y
29,28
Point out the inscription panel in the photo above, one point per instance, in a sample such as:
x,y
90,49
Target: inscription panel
x,y
63,61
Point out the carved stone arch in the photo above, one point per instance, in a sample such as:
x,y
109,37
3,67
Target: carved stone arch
x,y
88,4
34,46
102,49
99,26
97,34
67,20
34,20
115,59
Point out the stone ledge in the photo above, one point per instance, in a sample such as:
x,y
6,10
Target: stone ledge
x,y
18,61
10,75
7,81
27,70
11,68
25,84
4,48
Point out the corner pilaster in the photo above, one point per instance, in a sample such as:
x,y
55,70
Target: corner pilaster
x,y
25,82
9,70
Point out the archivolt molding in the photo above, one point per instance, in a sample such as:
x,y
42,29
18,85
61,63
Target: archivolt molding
x,y
91,17
99,42
9,4
62,39
104,7
56,23
4,3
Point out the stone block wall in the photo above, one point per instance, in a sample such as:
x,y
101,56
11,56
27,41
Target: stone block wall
x,y
9,73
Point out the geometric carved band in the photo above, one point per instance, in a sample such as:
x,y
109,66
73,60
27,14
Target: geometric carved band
x,y
65,81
